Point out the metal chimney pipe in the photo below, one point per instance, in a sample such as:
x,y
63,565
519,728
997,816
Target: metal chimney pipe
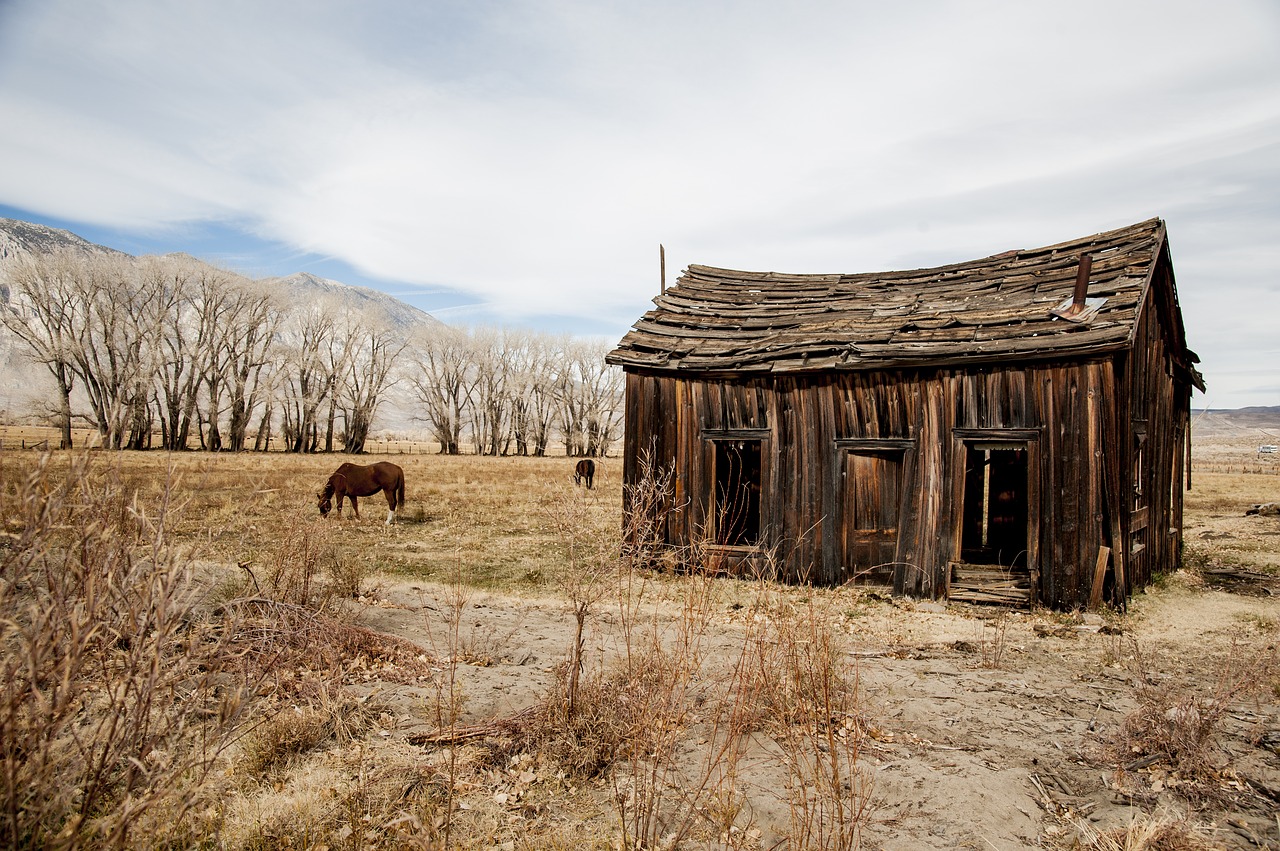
x,y
1082,283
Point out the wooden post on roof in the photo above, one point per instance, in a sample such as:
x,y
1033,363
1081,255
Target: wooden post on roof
x,y
662,266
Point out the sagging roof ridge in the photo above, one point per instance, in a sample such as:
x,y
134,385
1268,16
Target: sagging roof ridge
x,y
717,319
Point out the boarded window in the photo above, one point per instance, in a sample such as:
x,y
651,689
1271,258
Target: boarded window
x,y
1139,512
736,508
871,507
1139,464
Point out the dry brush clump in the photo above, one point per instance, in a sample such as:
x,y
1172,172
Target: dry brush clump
x,y
1160,831
134,688
800,687
115,702
1172,740
665,728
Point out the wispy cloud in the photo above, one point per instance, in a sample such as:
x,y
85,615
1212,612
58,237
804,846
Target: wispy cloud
x,y
531,156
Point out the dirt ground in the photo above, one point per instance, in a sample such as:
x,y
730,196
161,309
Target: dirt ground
x,y
977,727
987,727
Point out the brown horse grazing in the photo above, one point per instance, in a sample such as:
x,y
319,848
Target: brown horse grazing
x,y
353,480
586,469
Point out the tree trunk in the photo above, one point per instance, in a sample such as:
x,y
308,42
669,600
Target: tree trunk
x,y
64,409
262,440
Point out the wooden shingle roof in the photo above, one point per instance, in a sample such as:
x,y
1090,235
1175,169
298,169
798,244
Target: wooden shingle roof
x,y
997,308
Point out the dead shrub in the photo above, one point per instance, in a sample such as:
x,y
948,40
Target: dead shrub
x,y
992,644
1175,729
114,704
353,801
332,717
811,702
306,568
300,654
1161,831
619,714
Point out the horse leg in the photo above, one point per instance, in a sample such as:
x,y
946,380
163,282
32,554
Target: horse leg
x,y
341,496
391,505
355,507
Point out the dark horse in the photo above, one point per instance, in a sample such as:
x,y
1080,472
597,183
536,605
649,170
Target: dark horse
x,y
586,469
353,480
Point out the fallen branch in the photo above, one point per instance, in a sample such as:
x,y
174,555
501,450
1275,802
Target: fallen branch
x,y
511,726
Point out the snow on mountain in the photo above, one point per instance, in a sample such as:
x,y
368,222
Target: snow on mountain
x,y
303,286
25,387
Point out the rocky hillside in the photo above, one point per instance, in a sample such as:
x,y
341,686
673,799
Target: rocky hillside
x,y
301,287
19,239
24,386
1242,422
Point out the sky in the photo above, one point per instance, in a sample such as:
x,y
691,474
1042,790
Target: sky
x,y
519,163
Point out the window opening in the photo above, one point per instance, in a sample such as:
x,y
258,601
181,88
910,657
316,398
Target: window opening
x,y
1138,516
1139,464
736,512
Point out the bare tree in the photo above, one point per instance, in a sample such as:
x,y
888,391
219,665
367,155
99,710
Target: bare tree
x,y
348,331
513,387
197,314
376,346
603,386
535,360
113,351
307,377
248,343
441,380
44,308
572,405
590,396
491,352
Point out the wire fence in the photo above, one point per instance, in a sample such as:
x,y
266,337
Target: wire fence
x,y
38,438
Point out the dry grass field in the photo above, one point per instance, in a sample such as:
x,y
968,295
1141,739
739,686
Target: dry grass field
x,y
194,658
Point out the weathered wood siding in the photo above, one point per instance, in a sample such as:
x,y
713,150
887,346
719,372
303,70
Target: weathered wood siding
x,y
1157,397
809,424
871,394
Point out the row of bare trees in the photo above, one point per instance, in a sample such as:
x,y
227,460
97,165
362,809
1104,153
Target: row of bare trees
x,y
514,391
174,347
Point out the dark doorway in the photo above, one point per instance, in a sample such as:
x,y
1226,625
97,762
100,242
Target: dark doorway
x,y
736,512
995,505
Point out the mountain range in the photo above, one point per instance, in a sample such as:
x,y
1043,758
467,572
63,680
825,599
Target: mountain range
x,y
23,385
20,239
1262,423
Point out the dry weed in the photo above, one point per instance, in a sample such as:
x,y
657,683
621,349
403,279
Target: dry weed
x,y
1175,729
992,640
810,697
332,717
114,703
1161,831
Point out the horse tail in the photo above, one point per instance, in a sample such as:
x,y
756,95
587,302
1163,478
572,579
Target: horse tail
x,y
400,492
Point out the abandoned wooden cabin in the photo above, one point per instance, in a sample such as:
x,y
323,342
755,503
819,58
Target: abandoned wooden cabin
x,y
1012,429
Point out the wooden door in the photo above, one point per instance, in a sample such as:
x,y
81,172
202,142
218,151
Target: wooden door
x,y
871,506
